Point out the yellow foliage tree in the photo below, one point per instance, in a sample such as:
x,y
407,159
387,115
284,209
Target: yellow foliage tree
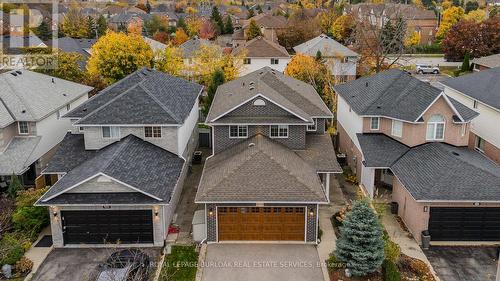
x,y
74,23
232,65
476,15
170,61
193,25
180,37
206,60
326,20
190,10
450,17
342,27
413,39
115,55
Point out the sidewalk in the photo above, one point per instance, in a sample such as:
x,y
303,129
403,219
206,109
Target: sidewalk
x,y
38,254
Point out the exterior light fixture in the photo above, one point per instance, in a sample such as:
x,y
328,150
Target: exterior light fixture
x,y
426,209
156,213
210,212
311,212
54,214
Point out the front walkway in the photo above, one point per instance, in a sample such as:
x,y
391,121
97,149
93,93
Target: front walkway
x,y
38,254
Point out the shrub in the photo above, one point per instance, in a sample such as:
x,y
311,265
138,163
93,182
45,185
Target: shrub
x,y
14,186
24,265
390,271
12,248
28,218
392,251
332,263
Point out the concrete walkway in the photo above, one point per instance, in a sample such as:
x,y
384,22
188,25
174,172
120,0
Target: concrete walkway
x,y
38,254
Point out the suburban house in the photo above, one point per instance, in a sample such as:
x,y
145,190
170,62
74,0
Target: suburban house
x,y
423,21
487,62
269,25
191,48
260,52
81,46
481,92
340,60
121,169
271,163
31,105
407,140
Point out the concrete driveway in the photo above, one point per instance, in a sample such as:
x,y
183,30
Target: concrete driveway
x,y
464,263
262,262
77,264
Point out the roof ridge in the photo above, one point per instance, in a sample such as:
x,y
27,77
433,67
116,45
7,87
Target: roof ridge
x,y
23,101
160,103
122,143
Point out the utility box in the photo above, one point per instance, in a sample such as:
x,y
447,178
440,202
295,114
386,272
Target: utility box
x,y
199,228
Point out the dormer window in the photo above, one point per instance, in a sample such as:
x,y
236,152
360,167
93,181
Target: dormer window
x,y
312,128
259,102
23,128
435,127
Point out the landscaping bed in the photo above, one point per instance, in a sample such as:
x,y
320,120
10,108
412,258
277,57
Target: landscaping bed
x,y
180,264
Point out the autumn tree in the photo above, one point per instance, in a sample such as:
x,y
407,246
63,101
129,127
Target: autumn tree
x,y
193,26
207,30
476,15
180,37
68,67
229,29
412,39
135,27
43,31
206,60
155,24
74,23
115,55
450,17
102,26
300,28
170,61
326,20
253,30
91,27
342,28
161,36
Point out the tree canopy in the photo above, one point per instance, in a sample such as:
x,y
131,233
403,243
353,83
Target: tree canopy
x,y
253,30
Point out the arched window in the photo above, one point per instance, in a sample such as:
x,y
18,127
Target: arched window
x,y
435,127
259,102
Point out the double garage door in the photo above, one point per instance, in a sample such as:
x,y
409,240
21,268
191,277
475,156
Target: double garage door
x,y
464,224
261,223
100,227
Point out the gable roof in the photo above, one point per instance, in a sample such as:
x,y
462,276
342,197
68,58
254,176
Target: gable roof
x,y
144,97
326,45
237,175
30,96
483,86
260,47
132,161
396,94
81,46
17,156
379,150
293,95
193,45
267,21
155,45
491,61
70,153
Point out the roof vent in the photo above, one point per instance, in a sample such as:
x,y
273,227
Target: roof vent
x,y
23,111
455,153
366,84
85,109
19,72
53,81
378,107
64,94
13,74
251,144
251,83
251,88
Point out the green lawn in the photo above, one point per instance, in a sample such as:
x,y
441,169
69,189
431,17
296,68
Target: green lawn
x,y
180,265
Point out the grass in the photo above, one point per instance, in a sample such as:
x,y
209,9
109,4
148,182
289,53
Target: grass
x,y
180,265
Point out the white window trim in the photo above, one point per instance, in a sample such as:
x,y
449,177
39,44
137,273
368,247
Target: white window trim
x,y
275,61
476,142
238,128
82,129
280,137
152,132
392,128
110,137
315,126
433,138
378,123
19,127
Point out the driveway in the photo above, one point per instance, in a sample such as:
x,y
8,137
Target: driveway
x,y
77,264
262,262
464,263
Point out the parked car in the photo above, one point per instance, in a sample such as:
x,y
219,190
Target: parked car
x,y
125,265
425,68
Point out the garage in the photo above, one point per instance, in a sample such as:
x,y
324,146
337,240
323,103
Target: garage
x,y
464,224
99,227
261,223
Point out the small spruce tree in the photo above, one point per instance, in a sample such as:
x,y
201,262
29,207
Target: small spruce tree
x,y
466,63
43,31
253,30
91,27
102,26
361,245
14,186
319,56
217,80
229,26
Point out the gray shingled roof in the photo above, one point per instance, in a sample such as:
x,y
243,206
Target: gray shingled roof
x,y
259,170
135,198
392,93
69,154
379,150
296,96
74,45
483,86
326,45
133,161
31,96
144,97
319,153
15,158
488,61
193,45
441,172
260,47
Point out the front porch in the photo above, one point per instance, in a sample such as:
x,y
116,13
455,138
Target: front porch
x,y
377,183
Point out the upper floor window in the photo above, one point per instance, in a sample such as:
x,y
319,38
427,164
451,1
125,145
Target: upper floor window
x,y
259,102
152,132
23,128
110,132
435,127
247,61
238,132
397,128
275,61
479,144
278,131
374,123
312,128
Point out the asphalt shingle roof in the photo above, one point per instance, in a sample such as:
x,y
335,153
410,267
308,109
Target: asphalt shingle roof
x,y
319,153
483,86
193,45
132,161
379,150
144,97
267,21
100,198
69,154
488,61
15,158
326,45
259,170
260,47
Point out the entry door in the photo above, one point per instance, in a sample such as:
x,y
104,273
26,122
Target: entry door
x,y
112,226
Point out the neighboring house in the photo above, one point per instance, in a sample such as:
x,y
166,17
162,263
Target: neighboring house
x,y
20,42
271,163
423,21
260,52
156,46
407,141
121,169
190,49
17,24
124,20
269,25
340,60
81,46
30,125
481,92
487,62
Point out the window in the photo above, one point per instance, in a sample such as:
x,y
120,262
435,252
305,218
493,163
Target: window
x,y
374,123
279,131
435,127
397,128
475,104
312,128
81,129
479,144
259,102
275,61
240,131
23,128
110,132
152,132
247,61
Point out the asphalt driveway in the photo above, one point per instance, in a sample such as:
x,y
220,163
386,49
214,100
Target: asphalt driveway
x,y
77,264
464,263
262,262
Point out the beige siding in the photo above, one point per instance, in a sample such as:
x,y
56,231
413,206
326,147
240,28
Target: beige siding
x,y
99,185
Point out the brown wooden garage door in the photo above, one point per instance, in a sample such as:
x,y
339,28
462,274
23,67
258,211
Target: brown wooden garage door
x,y
261,223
